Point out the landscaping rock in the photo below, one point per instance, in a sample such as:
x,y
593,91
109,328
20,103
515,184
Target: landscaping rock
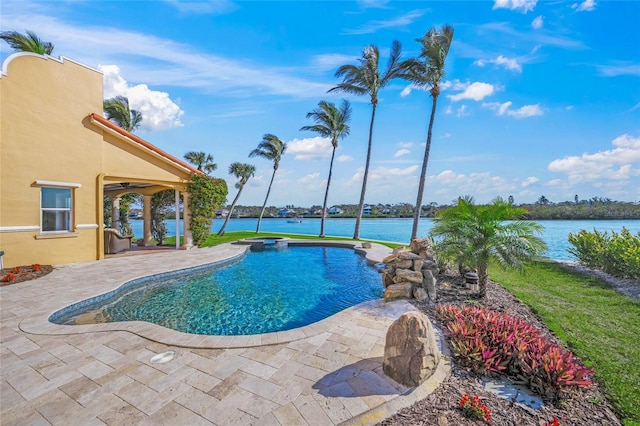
x,y
417,264
407,275
429,284
398,291
410,352
403,263
408,255
420,294
387,277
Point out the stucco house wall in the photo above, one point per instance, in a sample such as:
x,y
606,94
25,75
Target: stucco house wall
x,y
51,135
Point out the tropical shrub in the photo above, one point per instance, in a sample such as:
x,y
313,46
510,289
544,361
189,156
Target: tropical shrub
x,y
615,254
207,194
473,408
491,342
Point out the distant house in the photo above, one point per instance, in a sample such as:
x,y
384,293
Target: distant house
x,y
286,212
61,158
335,210
366,210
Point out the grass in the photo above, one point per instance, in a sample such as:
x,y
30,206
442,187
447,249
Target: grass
x,y
228,237
600,325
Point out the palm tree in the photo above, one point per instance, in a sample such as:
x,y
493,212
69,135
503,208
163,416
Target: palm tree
x,y
202,161
27,43
117,110
272,149
363,79
474,235
243,172
427,71
333,123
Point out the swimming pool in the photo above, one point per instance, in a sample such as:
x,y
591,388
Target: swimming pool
x,y
265,291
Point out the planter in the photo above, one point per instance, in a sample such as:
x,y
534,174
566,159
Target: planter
x,y
475,287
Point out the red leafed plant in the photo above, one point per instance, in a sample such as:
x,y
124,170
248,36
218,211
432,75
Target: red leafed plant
x,y
36,267
16,270
473,408
552,422
9,277
493,342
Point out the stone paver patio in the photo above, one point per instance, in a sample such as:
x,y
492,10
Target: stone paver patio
x,y
326,373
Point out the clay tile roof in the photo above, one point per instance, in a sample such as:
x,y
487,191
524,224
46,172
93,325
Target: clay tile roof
x,y
100,119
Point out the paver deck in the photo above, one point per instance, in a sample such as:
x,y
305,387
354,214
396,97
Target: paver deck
x,y
327,373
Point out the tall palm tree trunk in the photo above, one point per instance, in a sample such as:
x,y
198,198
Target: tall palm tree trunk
x,y
483,278
264,206
233,205
326,193
423,173
356,233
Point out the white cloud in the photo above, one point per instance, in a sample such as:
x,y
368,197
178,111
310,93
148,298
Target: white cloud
x,y
461,112
483,185
405,144
310,148
526,111
448,110
344,158
620,163
406,91
203,7
538,22
523,5
475,91
399,22
501,61
158,110
162,61
585,6
522,112
401,152
529,181
618,69
536,48
332,60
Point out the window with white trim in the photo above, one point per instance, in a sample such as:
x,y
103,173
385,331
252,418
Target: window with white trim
x,y
56,209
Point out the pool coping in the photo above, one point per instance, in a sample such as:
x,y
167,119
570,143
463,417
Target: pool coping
x,y
40,324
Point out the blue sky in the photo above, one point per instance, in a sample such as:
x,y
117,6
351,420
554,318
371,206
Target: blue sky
x,y
539,98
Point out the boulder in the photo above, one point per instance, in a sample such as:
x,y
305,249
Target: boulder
x,y
408,255
410,352
417,264
403,263
429,284
389,258
420,244
430,265
420,294
398,291
387,277
408,275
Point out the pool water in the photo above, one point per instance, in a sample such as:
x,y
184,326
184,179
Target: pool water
x,y
268,290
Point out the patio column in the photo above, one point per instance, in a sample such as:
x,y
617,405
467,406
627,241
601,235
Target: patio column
x,y
115,213
177,219
146,216
186,221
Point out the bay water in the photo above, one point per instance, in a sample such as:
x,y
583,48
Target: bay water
x,y
555,233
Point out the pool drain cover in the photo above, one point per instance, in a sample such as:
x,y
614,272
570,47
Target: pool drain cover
x,y
162,358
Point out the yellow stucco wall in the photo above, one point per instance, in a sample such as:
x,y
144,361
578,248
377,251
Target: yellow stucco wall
x,y
46,134
43,103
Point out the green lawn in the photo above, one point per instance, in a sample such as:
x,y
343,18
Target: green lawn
x,y
600,325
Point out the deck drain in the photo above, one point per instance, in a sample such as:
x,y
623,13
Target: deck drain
x,y
162,358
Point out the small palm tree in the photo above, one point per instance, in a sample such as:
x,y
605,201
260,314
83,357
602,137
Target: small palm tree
x,y
243,172
117,110
202,161
474,235
331,122
27,43
427,71
271,148
363,79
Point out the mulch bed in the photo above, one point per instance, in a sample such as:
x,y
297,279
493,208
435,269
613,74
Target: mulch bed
x,y
580,407
23,273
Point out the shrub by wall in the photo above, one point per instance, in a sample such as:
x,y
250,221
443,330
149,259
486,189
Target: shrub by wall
x,y
207,194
